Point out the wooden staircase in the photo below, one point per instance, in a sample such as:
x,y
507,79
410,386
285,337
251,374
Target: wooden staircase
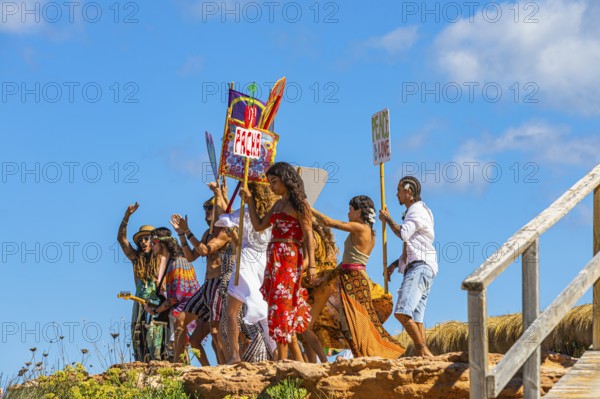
x,y
583,380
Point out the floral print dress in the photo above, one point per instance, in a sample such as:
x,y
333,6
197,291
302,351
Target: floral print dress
x,y
288,312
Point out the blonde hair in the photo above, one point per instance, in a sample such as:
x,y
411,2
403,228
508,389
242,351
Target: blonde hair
x,y
144,270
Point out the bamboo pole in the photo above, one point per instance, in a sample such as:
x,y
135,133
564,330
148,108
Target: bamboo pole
x,y
596,290
241,229
383,227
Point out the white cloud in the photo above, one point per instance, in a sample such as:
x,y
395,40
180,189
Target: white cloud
x,y
540,141
394,42
192,65
530,146
560,53
22,17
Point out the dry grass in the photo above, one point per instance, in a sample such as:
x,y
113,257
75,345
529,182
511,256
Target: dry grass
x,y
572,336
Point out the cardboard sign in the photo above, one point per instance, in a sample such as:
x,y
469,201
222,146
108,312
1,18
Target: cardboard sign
x,y
382,148
247,143
314,180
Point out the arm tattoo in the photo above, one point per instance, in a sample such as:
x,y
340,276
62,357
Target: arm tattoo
x,y
394,227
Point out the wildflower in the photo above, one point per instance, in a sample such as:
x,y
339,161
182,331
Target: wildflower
x,y
33,349
84,351
114,335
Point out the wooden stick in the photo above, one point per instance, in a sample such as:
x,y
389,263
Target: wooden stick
x,y
241,229
225,129
383,227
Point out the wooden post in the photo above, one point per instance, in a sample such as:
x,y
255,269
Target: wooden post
x,y
531,310
383,227
238,256
478,344
596,295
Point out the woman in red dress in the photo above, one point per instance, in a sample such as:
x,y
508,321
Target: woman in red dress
x,y
291,218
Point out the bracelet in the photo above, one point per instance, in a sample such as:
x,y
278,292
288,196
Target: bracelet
x,y
190,235
181,234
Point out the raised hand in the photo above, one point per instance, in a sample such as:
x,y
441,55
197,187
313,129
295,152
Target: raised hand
x,y
245,194
384,215
179,224
131,209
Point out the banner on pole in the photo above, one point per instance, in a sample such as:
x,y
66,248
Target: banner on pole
x,y
382,147
232,163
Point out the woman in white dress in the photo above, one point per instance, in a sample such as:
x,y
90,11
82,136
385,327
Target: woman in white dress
x,y
252,270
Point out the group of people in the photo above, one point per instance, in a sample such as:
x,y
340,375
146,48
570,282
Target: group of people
x,y
289,277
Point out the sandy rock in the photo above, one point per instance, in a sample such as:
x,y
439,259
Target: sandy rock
x,y
441,377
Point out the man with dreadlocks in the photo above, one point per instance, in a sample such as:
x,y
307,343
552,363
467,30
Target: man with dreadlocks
x,y
418,262
146,336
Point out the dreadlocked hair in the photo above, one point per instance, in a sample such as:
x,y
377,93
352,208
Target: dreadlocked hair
x,y
146,265
292,180
367,208
264,198
163,234
414,185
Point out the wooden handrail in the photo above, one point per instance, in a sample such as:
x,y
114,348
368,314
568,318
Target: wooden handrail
x,y
526,351
507,253
547,321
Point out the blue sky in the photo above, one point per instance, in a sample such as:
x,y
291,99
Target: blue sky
x,y
106,104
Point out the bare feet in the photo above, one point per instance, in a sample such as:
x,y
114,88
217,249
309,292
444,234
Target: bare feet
x,y
422,350
234,360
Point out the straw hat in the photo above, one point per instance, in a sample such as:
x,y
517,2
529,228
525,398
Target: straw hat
x,y
144,230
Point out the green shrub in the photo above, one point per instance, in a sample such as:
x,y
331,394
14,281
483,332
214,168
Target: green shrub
x,y
75,383
287,389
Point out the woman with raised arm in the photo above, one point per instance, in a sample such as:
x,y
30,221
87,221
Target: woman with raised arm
x,y
291,218
146,336
360,324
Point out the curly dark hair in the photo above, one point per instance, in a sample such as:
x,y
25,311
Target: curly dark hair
x,y
164,235
367,208
414,185
292,180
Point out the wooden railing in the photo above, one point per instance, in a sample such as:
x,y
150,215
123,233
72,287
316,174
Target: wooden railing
x,y
487,382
